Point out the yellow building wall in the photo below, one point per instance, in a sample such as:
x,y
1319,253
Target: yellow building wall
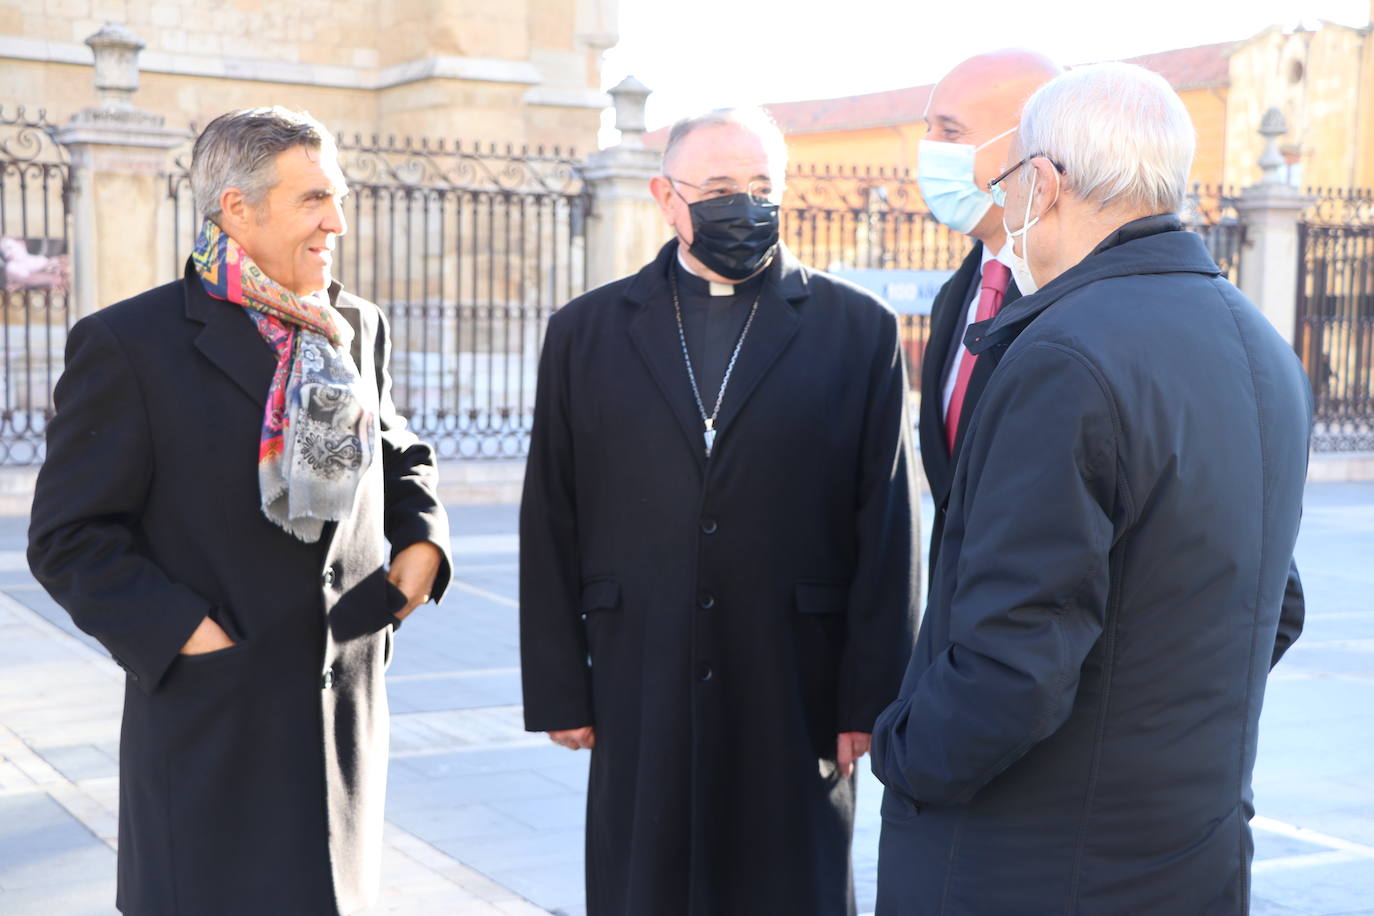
x,y
897,146
874,147
1315,79
1364,143
1207,108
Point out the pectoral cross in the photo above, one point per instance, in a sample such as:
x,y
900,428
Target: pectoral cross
x,y
710,434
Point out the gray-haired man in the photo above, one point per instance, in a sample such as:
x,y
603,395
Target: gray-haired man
x,y
719,512
1077,726
224,472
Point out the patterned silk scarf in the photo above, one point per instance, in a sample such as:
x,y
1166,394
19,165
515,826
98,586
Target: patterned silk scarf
x,y
317,433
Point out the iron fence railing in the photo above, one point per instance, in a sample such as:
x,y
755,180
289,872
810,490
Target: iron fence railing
x,y
1335,316
35,280
467,250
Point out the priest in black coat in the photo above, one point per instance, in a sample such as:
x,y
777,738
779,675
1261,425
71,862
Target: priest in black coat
x,y
718,567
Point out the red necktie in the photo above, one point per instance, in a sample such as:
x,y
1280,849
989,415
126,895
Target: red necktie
x,y
995,277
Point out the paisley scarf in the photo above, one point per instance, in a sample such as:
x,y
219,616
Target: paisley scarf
x,y
317,433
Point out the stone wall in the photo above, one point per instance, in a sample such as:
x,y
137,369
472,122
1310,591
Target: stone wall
x,y
510,71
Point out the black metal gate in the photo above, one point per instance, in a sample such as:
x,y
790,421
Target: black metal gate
x,y
1335,317
35,280
468,251
842,218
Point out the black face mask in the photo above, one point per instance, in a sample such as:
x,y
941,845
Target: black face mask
x,y
733,235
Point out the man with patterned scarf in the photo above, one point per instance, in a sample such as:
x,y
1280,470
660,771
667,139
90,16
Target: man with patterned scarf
x,y
232,506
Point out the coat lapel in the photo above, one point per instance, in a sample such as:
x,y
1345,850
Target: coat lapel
x,y
949,312
775,324
654,332
230,341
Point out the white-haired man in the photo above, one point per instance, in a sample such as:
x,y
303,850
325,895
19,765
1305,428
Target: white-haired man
x,y
226,480
719,514
1077,727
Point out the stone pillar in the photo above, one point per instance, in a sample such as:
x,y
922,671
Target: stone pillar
x,y
118,160
625,229
1271,211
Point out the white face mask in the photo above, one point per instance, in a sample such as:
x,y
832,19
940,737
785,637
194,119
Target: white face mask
x,y
1020,266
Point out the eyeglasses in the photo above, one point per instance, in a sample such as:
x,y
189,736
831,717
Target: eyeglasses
x,y
1008,173
760,190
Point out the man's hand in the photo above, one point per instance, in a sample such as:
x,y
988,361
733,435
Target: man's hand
x,y
208,637
849,747
413,572
575,739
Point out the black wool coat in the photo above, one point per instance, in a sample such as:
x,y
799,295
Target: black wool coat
x,y
719,621
1076,730
947,315
252,779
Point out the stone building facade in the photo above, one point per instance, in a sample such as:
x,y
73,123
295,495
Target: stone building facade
x,y
505,71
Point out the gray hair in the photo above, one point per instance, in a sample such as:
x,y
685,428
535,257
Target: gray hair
x,y
239,149
753,119
1120,132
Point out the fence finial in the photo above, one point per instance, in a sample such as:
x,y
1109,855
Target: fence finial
x,y
628,97
1272,126
116,65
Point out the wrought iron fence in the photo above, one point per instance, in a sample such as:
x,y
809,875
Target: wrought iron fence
x,y
841,218
1210,211
838,218
35,280
467,251
1335,316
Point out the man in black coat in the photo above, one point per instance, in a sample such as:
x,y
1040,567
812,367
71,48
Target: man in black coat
x,y
718,570
224,472
970,118
1076,730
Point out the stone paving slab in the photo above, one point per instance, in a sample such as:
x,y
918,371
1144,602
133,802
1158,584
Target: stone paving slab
x,y
484,818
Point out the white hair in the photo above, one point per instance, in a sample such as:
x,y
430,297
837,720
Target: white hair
x,y
753,119
1119,131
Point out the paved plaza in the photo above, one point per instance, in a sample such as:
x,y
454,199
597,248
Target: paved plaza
x,y
486,819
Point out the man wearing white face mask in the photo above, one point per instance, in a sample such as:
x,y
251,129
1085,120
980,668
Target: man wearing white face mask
x,y
971,116
1076,730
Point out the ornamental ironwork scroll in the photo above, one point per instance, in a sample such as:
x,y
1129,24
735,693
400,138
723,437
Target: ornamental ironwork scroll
x,y
35,279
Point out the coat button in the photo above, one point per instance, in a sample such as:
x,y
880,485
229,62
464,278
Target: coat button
x,y
704,672
708,601
327,679
329,577
708,526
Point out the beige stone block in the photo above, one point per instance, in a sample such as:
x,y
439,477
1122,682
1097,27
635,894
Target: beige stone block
x,y
165,15
11,20
69,9
110,10
366,58
84,28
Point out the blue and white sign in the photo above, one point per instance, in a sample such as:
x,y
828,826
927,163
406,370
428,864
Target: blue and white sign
x,y
909,292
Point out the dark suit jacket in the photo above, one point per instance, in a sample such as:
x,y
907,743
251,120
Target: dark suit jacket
x,y
251,779
946,326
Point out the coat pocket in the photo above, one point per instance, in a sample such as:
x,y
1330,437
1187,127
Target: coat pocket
x,y
600,595
822,598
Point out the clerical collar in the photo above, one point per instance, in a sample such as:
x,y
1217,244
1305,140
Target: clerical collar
x,y
713,288
696,285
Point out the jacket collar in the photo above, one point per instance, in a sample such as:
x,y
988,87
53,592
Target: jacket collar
x,y
1151,245
232,342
